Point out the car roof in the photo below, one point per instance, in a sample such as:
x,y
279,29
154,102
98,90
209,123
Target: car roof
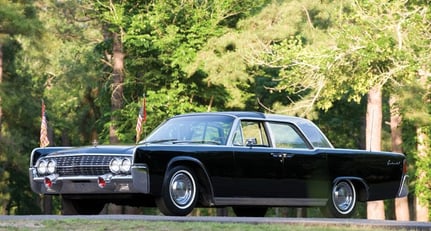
x,y
251,114
239,114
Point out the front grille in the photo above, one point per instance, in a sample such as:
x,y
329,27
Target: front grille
x,y
83,165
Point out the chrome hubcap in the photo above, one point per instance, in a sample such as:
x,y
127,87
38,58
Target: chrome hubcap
x,y
343,196
182,189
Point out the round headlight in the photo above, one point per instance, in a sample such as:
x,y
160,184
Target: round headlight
x,y
114,165
42,166
125,165
51,166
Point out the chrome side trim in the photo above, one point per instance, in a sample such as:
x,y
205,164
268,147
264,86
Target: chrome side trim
x,y
404,187
141,178
227,201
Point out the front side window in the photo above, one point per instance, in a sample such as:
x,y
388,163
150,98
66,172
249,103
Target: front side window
x,y
285,136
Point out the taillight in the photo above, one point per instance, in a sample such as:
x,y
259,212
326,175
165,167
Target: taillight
x,y
404,166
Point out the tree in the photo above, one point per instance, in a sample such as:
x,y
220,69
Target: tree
x,y
371,49
375,209
16,18
19,30
401,204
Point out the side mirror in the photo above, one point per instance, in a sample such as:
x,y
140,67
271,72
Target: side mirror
x,y
250,142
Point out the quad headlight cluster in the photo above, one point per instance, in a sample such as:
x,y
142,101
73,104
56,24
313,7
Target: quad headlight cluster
x,y
120,165
45,167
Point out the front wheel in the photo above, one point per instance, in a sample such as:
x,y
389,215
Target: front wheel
x,y
342,202
179,192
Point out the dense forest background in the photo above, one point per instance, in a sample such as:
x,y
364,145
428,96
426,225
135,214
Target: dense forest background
x,y
92,62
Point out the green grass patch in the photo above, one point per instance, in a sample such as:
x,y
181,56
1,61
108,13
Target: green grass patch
x,y
108,225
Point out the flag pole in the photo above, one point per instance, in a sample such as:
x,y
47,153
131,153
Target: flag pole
x,y
142,117
44,141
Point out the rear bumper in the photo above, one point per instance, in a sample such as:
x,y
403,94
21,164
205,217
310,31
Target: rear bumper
x,y
82,184
404,187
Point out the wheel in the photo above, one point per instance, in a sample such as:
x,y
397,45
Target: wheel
x,y
81,207
247,211
179,192
342,203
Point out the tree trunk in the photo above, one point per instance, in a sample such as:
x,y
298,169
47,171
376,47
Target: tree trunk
x,y
117,84
1,81
401,204
375,209
421,204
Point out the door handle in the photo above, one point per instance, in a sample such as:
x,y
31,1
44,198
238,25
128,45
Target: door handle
x,y
282,155
289,155
277,155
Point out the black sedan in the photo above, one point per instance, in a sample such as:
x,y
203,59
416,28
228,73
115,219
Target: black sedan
x,y
247,160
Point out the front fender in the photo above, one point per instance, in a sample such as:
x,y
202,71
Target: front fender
x,y
202,175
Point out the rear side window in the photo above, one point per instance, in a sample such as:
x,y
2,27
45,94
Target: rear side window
x,y
285,136
316,137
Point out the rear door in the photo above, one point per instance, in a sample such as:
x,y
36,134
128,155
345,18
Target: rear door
x,y
258,171
304,169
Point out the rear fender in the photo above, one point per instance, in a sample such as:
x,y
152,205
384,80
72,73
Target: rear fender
x,y
360,186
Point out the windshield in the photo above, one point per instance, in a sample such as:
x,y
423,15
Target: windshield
x,y
212,129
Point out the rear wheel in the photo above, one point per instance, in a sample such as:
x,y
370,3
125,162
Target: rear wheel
x,y
342,202
179,192
81,207
248,211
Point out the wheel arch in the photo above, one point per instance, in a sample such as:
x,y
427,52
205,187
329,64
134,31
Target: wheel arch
x,y
360,185
206,194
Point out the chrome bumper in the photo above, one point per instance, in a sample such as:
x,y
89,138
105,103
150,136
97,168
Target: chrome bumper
x,y
141,178
89,184
404,187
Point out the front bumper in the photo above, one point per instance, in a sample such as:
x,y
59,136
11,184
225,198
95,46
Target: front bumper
x,y
104,184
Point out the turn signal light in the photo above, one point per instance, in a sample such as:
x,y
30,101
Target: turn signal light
x,y
101,182
47,182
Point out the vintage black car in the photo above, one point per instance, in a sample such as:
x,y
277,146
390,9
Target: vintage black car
x,y
249,161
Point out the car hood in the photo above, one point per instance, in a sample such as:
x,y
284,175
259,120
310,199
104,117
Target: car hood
x,y
99,149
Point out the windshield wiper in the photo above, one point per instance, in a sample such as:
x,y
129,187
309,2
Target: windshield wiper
x,y
157,141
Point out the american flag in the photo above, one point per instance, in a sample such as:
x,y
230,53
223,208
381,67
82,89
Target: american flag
x,y
142,117
44,141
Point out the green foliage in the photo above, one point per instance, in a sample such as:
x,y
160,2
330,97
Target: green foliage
x,y
19,18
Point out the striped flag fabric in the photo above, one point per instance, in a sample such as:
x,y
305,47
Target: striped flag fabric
x,y
44,141
142,117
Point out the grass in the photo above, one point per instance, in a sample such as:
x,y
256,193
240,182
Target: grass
x,y
73,224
